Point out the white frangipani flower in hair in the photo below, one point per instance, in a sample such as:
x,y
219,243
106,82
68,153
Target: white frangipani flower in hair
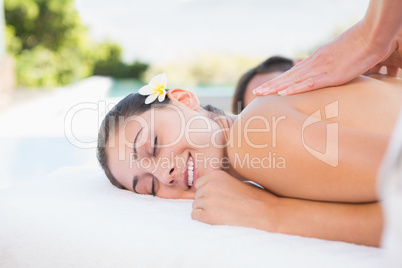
x,y
155,89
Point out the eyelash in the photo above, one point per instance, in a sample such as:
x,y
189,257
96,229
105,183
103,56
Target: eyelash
x,y
154,154
155,145
153,187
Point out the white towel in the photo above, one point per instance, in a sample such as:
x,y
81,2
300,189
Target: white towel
x,y
76,218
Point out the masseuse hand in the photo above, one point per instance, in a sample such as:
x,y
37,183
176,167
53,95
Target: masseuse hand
x,y
224,200
374,42
334,64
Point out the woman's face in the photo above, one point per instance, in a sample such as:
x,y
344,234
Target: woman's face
x,y
165,150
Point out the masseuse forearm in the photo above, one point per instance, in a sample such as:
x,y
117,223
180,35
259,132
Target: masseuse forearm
x,y
354,223
383,21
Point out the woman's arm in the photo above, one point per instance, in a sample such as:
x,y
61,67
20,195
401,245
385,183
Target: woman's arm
x,y
353,223
222,199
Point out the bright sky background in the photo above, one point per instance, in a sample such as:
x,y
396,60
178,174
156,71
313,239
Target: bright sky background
x,y
163,30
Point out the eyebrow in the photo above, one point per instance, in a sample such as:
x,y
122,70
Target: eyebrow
x,y
135,141
135,181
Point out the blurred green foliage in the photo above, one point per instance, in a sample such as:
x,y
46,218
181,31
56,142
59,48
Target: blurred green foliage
x,y
109,63
53,48
209,69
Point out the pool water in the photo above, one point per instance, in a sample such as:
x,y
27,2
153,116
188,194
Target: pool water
x,y
27,158
123,87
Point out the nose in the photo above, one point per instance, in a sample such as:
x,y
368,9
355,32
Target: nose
x,y
165,175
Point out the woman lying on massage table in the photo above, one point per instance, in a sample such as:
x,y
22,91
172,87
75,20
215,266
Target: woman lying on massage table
x,y
315,156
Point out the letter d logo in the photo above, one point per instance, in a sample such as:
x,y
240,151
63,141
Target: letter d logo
x,y
330,156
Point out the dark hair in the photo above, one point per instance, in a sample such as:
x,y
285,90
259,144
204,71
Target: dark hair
x,y
133,104
270,65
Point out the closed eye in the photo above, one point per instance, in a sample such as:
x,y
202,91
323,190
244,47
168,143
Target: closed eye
x,y
153,187
155,145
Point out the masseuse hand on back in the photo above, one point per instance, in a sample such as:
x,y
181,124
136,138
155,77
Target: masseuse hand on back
x,y
374,42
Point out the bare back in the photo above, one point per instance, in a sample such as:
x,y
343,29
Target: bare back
x,y
368,103
321,145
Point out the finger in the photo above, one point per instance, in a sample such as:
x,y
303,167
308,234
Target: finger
x,y
198,204
197,214
311,83
270,86
290,81
297,79
202,181
207,190
376,69
293,76
393,71
295,62
200,193
204,216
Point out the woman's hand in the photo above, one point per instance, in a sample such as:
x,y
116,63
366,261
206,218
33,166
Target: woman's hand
x,y
224,200
393,63
369,45
333,64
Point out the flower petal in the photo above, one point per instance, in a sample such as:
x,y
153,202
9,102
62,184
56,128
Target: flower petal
x,y
146,90
159,81
162,96
151,98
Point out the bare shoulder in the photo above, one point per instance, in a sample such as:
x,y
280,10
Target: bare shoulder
x,y
260,118
370,103
263,137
